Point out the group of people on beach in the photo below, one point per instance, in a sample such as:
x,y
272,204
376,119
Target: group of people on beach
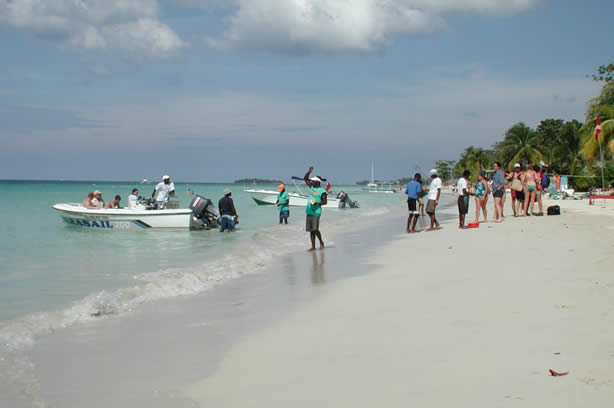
x,y
526,184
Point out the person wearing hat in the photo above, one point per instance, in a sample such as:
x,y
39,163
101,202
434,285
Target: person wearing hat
x,y
97,201
283,204
228,213
162,191
317,198
514,179
433,199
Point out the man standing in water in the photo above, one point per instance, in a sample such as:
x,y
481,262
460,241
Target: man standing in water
x,y
317,198
283,204
433,199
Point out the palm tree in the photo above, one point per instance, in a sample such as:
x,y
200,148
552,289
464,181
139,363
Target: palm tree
x,y
521,144
473,159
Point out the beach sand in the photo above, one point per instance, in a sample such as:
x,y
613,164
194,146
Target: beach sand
x,y
447,318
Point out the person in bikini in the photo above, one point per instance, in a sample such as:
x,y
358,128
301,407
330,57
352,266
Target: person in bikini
x,y
481,197
539,192
530,188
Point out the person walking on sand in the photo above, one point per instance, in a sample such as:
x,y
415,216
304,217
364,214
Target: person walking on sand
x,y
481,197
414,189
317,198
463,198
498,190
433,199
283,204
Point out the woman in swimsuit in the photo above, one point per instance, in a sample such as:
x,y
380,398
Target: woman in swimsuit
x,y
530,188
517,196
481,197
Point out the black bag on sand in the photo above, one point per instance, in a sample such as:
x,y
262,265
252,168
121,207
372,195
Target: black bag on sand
x,y
554,210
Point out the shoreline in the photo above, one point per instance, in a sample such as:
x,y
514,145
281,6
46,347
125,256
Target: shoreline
x,y
215,319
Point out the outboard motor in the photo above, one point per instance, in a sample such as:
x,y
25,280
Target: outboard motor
x,y
344,199
205,215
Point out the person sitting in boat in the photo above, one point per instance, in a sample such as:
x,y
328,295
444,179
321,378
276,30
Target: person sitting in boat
x,y
162,191
114,203
87,203
133,198
97,201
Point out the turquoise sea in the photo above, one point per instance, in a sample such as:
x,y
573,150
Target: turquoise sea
x,y
55,275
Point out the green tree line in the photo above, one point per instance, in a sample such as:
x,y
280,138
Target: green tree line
x,y
564,147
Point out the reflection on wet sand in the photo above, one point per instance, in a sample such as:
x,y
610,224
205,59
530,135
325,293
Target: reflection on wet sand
x,y
317,269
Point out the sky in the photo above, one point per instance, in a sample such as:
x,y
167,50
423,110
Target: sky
x,y
218,90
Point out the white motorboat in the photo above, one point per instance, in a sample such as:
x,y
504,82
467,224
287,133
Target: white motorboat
x,y
269,197
201,215
300,197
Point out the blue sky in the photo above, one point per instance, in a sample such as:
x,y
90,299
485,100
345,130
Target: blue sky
x,y
216,90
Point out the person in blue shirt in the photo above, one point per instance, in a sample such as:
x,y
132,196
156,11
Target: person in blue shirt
x,y
317,198
414,191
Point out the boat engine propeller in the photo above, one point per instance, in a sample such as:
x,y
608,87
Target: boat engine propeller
x,y
205,215
344,199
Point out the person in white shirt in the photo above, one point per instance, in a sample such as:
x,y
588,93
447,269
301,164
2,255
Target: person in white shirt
x,y
433,199
162,191
133,198
97,201
463,198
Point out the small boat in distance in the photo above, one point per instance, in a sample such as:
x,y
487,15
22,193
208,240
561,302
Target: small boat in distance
x,y
372,183
300,196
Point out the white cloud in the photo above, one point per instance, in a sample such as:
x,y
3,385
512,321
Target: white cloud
x,y
302,26
127,26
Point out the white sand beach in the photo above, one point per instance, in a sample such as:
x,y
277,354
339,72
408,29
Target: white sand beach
x,y
448,318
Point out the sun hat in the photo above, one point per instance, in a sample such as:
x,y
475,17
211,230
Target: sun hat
x,y
97,192
226,191
281,187
315,178
516,165
165,177
433,171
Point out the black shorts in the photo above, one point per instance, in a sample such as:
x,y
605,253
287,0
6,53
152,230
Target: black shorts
x,y
412,205
498,193
463,204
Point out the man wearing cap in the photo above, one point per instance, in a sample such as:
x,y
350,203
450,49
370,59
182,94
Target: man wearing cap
x,y
283,204
433,199
162,191
97,201
229,216
317,198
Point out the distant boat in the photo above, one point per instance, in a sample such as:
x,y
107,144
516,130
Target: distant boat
x,y
372,183
144,181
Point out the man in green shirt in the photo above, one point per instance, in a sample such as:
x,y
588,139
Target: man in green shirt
x,y
283,204
317,198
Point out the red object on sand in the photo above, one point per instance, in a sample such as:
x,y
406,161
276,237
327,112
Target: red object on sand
x,y
555,374
473,224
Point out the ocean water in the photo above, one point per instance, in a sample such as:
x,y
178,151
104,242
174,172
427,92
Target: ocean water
x,y
54,275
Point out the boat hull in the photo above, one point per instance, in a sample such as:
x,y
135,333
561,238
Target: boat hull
x,y
122,218
268,197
